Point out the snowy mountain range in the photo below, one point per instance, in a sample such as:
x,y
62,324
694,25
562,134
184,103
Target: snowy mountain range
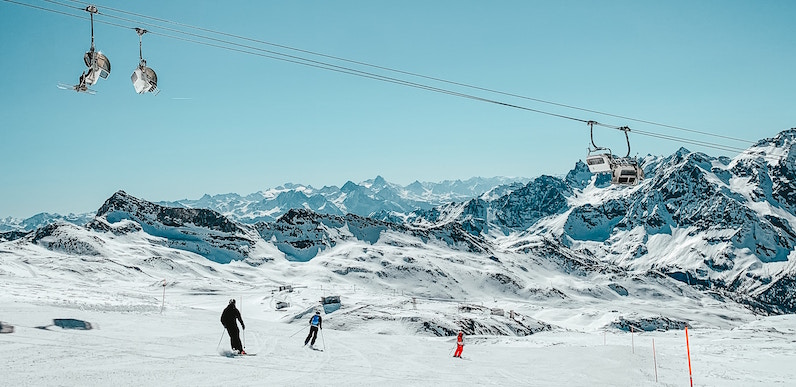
x,y
364,199
698,231
42,219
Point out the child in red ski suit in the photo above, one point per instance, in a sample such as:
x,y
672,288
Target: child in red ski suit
x,y
459,345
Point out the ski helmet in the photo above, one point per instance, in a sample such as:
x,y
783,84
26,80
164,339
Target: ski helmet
x,y
232,301
317,312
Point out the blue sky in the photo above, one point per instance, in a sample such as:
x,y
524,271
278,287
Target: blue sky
x,y
228,121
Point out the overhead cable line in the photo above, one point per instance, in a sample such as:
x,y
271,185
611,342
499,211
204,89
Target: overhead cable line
x,y
424,76
44,9
247,49
323,65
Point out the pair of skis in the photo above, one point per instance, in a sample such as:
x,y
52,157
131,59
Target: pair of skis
x,y
237,354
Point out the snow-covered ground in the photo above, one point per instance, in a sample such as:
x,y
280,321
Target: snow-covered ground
x,y
133,343
396,293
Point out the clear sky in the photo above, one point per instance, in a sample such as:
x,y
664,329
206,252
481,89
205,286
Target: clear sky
x,y
228,121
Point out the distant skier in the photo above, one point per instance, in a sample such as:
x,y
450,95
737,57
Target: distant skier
x,y
228,317
459,345
316,322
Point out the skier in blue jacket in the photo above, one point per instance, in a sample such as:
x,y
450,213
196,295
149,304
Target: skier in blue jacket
x,y
316,322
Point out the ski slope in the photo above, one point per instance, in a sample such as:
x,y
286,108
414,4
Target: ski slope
x,y
400,296
133,343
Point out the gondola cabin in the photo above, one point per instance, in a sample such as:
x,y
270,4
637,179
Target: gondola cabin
x,y
599,163
627,174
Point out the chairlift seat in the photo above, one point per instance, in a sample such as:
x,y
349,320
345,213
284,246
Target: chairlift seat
x,y
144,80
99,63
627,173
599,163
90,77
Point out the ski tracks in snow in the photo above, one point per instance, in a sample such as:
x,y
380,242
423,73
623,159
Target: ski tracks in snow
x,y
297,363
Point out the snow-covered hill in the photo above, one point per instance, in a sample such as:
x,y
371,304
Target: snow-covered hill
x,y
719,224
704,242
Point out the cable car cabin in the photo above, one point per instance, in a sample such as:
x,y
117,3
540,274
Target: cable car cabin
x,y
330,303
144,80
627,174
599,163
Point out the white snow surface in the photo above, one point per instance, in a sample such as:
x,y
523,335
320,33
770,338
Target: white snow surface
x,y
376,338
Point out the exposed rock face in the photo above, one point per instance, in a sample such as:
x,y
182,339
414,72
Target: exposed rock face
x,y
302,234
56,236
201,231
12,235
737,215
366,199
590,223
648,324
517,209
714,224
541,197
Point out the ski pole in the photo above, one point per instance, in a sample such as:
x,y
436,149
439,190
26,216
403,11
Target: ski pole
x,y
300,329
323,341
222,338
241,322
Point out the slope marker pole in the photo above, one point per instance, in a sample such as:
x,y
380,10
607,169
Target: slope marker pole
x,y
654,360
688,351
164,297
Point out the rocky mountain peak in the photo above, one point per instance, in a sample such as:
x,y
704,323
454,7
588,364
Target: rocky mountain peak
x,y
349,186
579,176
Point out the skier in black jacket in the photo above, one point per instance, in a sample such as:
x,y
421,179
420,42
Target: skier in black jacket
x,y
316,322
228,317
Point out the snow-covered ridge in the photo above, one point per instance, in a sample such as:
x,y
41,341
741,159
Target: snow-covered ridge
x,y
41,219
698,228
364,199
715,222
202,231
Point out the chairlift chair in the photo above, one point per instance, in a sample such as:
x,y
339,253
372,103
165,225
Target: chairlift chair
x,y
99,66
144,78
627,172
624,170
597,161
